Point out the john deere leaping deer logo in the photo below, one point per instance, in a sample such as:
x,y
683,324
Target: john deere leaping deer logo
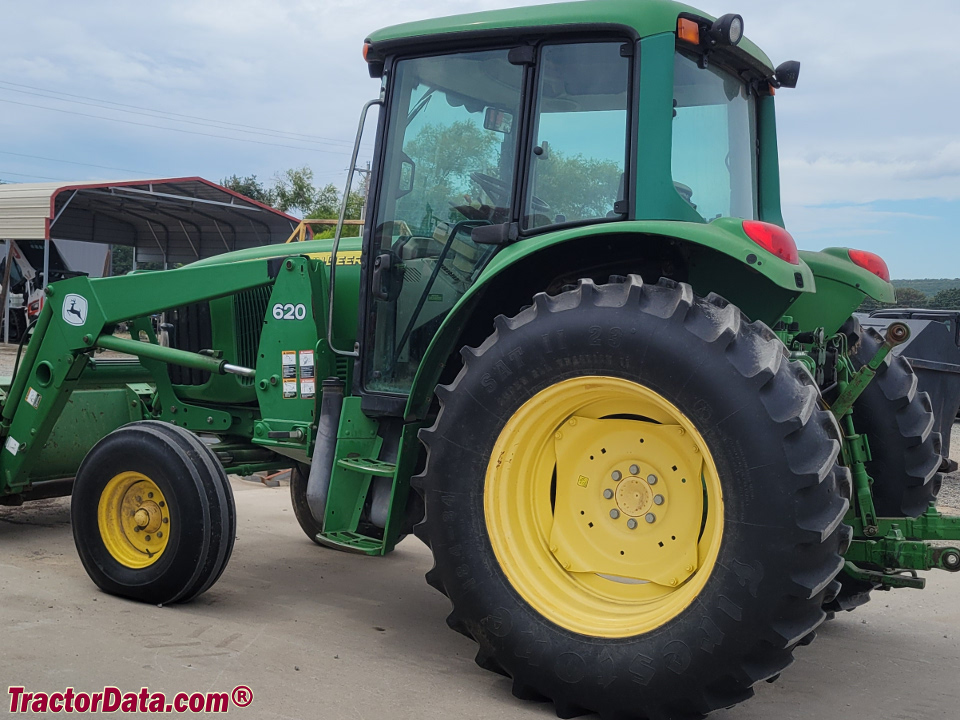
x,y
74,309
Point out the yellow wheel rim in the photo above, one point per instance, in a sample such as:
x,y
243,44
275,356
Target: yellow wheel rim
x,y
134,520
603,506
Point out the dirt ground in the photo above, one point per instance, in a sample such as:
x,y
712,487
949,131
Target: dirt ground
x,y
322,634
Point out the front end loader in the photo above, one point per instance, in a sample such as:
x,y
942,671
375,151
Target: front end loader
x,y
575,352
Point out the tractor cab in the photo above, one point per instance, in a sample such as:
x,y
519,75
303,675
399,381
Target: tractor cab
x,y
512,134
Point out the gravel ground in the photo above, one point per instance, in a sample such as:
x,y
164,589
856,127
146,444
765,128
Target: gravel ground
x,y
949,500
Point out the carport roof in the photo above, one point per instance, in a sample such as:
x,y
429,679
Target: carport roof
x,y
173,220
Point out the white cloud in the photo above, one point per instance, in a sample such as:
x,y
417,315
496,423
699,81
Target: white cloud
x,y
874,117
906,168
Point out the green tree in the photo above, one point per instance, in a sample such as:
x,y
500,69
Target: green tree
x,y
577,187
947,299
121,261
251,187
327,203
909,297
294,190
445,156
869,305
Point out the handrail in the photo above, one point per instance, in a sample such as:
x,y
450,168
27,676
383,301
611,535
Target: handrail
x,y
336,237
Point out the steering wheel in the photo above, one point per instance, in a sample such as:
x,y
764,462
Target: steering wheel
x,y
499,191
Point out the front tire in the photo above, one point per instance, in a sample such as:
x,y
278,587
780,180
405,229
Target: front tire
x,y
153,514
592,617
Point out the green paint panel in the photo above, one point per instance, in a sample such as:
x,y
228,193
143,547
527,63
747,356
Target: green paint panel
x,y
293,358
841,288
87,417
645,17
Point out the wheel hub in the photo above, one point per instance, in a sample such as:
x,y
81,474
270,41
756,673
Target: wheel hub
x,y
629,501
134,519
634,497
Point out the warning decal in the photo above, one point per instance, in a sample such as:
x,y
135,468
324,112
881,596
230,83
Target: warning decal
x,y
308,388
308,383
288,367
33,398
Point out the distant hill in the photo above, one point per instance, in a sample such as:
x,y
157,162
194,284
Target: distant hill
x,y
929,286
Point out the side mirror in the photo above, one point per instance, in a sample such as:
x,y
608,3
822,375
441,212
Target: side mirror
x,y
787,74
498,120
408,171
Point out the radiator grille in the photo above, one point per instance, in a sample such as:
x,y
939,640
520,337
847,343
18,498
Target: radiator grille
x,y
250,308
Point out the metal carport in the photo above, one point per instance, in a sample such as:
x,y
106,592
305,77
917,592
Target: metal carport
x,y
169,221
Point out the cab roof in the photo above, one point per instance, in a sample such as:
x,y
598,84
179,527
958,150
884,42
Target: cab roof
x,y
646,17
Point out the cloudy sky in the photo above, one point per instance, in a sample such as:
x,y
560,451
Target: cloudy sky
x,y
869,141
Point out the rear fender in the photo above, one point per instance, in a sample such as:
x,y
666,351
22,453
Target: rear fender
x,y
716,257
842,286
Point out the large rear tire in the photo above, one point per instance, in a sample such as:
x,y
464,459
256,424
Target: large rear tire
x,y
153,514
562,518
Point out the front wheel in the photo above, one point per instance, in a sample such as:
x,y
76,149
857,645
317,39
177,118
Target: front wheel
x,y
153,514
633,501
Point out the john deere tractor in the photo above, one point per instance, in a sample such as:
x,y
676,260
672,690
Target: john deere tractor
x,y
575,352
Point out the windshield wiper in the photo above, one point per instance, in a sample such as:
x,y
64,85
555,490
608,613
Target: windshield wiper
x,y
421,104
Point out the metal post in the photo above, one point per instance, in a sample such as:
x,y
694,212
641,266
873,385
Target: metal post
x,y
46,263
5,293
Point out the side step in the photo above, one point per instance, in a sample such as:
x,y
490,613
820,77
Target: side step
x,y
368,466
354,542
351,542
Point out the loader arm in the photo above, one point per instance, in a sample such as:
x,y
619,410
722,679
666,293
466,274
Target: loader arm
x,y
80,315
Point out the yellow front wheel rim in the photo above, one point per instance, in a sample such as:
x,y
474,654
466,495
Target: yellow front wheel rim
x,y
603,506
134,520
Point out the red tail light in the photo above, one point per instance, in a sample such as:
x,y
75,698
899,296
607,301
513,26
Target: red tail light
x,y
871,262
773,238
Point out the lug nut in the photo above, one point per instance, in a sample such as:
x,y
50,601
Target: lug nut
x,y
658,499
652,479
147,538
160,533
650,518
634,470
608,493
632,524
617,475
614,513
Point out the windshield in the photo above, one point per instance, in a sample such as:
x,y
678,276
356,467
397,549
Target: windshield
x,y
449,167
714,141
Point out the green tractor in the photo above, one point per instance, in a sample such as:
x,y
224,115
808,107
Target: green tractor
x,y
575,352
